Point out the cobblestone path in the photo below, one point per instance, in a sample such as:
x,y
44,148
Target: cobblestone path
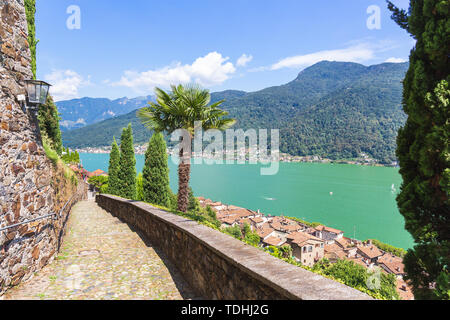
x,y
102,258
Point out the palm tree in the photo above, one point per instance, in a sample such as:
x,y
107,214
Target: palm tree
x,y
181,109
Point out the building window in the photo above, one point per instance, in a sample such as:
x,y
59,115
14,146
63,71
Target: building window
x,y
310,249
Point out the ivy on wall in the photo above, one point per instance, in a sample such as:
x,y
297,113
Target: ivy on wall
x,y
30,10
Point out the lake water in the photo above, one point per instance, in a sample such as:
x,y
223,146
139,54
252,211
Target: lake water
x,y
359,200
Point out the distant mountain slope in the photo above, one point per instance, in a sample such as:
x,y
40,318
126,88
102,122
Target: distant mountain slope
x,y
332,109
78,113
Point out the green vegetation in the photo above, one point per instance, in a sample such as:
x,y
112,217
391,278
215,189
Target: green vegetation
x,y
306,223
181,109
49,152
332,109
140,187
49,124
156,188
234,231
113,169
127,165
30,11
423,147
399,252
98,181
70,157
356,276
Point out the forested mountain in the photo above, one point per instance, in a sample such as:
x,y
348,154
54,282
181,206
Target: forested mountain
x,y
332,109
78,113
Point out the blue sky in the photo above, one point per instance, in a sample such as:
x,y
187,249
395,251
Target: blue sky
x,y
126,48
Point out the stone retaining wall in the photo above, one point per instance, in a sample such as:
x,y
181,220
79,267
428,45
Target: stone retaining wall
x,y
30,185
218,266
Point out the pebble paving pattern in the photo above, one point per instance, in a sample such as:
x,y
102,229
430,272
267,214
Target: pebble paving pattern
x,y
101,258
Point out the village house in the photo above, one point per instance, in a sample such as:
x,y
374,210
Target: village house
x,y
328,234
392,264
257,221
265,232
229,221
369,252
306,248
273,241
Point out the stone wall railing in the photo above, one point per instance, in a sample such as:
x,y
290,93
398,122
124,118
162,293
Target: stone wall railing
x,y
218,266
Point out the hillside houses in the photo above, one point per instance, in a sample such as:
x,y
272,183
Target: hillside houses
x,y
310,245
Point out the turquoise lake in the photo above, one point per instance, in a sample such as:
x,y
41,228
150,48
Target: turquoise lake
x,y
359,200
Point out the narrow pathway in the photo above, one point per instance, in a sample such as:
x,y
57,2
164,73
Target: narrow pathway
x,y
102,258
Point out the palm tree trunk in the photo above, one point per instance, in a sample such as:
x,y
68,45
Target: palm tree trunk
x,y
184,172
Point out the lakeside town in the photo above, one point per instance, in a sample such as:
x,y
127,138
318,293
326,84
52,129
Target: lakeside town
x,y
309,244
363,158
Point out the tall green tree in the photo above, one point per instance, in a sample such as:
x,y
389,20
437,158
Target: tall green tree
x,y
48,118
423,147
140,187
181,109
113,169
127,165
156,172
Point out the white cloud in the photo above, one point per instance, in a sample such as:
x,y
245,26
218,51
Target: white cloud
x,y
65,84
69,124
210,70
243,60
395,60
357,53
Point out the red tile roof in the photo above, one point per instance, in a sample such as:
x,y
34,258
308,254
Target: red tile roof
x,y
264,232
370,251
302,237
393,263
273,241
98,172
328,229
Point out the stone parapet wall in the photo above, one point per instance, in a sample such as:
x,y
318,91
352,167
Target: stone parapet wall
x,y
30,185
218,266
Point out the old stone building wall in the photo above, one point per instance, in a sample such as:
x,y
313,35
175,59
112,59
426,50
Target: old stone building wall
x,y
30,185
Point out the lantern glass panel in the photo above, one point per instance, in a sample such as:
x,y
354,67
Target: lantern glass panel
x,y
31,89
44,92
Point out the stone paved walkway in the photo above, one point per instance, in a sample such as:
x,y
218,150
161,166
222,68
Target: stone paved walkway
x,y
102,258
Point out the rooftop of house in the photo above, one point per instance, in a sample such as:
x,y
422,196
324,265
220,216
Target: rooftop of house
x,y
301,238
370,251
393,263
264,232
257,220
404,290
274,241
98,172
328,229
331,248
230,220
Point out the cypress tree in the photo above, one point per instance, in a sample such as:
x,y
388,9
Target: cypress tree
x,y
156,172
49,124
127,165
139,187
113,170
423,147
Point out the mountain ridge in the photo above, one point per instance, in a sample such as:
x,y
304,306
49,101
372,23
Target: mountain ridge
x,y
331,109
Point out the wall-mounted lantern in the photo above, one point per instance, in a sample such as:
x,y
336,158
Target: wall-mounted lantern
x,y
37,92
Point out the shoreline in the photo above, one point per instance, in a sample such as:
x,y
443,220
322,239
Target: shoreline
x,y
283,158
